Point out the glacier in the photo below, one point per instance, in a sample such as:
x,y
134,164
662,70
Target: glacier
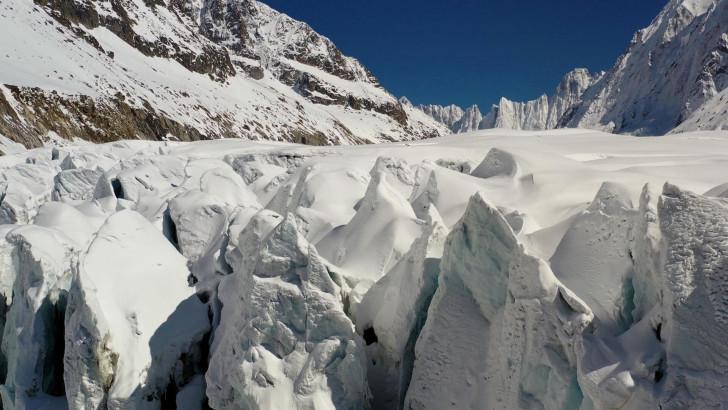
x,y
466,271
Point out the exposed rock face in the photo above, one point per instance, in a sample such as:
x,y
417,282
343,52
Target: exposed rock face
x,y
568,96
545,112
531,115
470,121
121,16
187,70
42,263
447,115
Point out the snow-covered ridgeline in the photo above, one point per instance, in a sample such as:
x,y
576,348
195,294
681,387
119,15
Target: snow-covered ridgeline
x,y
543,113
463,272
671,78
186,70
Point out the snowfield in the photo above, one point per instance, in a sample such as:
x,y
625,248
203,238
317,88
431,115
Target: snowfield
x,y
566,269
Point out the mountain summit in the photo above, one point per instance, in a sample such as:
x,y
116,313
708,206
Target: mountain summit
x,y
672,78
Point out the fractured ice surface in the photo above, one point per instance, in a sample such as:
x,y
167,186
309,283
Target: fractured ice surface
x,y
284,340
143,275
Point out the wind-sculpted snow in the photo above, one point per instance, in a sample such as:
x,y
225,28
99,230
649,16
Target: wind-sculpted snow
x,y
394,310
307,195
596,246
380,232
124,342
496,164
231,274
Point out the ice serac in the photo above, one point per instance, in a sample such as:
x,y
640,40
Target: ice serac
x,y
401,175
500,322
695,306
199,224
593,258
42,261
75,184
672,356
132,323
646,254
143,183
381,231
284,340
393,311
23,189
425,194
197,221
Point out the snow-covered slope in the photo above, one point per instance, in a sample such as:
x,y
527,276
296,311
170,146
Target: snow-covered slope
x,y
188,70
672,78
556,270
670,74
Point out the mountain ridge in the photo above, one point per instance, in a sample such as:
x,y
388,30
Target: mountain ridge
x,y
672,77
188,70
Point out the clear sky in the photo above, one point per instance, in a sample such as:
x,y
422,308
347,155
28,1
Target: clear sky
x,y
474,51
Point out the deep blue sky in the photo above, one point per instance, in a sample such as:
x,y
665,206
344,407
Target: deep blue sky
x,y
474,51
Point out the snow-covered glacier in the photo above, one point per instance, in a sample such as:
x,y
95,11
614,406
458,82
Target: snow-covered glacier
x,y
565,269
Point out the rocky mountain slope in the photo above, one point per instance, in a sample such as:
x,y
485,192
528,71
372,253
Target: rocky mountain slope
x,y
546,112
185,69
669,76
447,115
673,77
